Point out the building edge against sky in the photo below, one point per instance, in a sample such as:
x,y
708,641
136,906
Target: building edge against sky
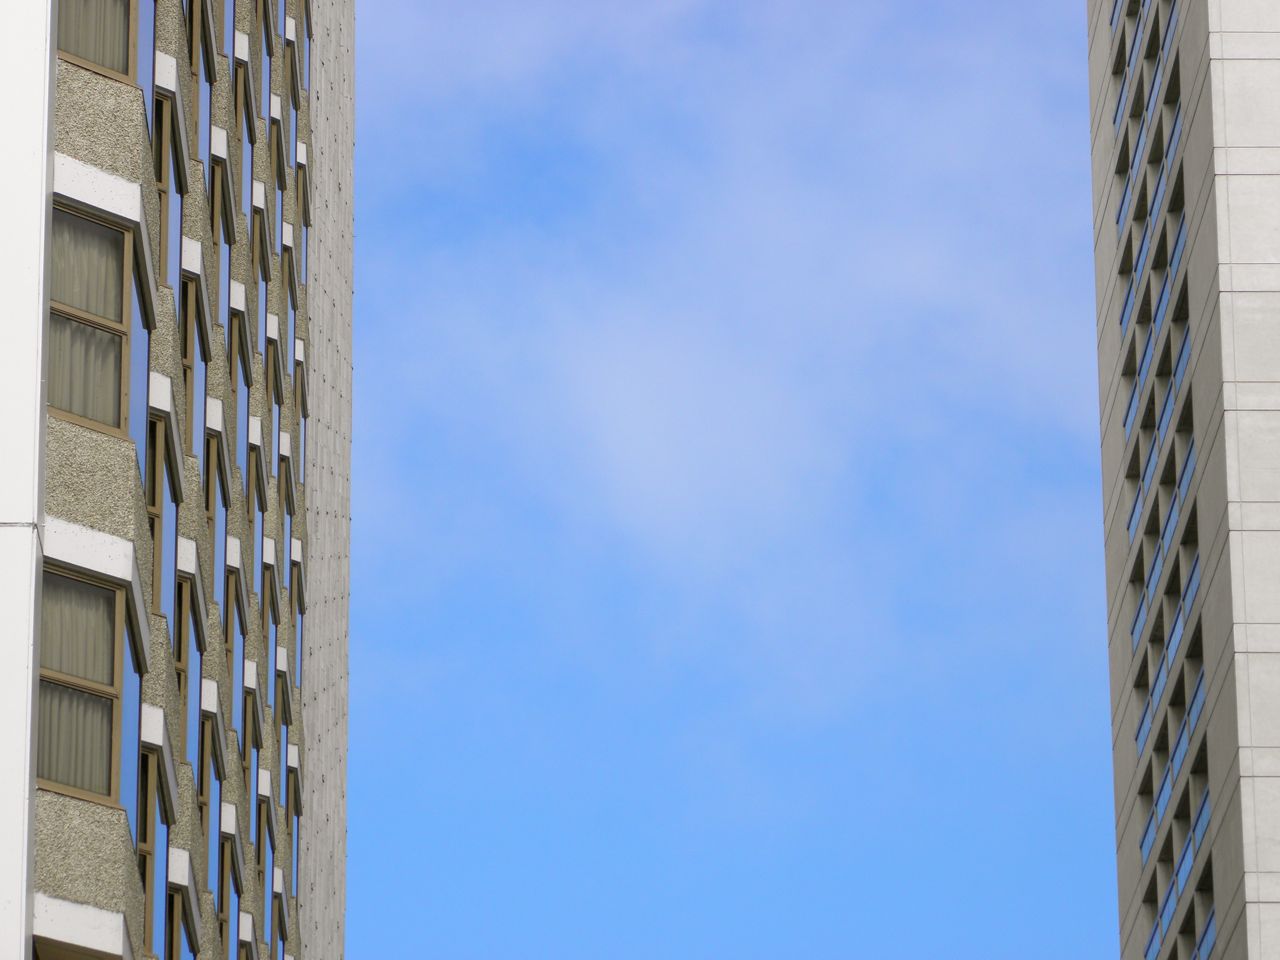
x,y
171,734
1185,127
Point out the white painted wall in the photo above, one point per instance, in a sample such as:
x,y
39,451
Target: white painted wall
x,y
26,178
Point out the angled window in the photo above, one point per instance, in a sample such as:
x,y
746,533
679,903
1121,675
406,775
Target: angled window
x,y
90,699
92,313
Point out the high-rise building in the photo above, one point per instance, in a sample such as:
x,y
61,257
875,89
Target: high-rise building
x,y
175,435
1186,169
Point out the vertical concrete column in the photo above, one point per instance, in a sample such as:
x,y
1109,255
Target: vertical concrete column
x,y
322,869
1244,49
27,51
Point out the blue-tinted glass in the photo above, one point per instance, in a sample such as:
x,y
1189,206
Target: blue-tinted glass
x,y
219,547
237,681
147,56
294,886
229,28
267,884
297,664
279,221
284,764
233,934
173,264
206,117
257,553
271,657
301,455
169,558
215,825
224,281
293,138
130,717
139,378
246,167
160,875
242,426
275,437
198,401
291,343
306,59
266,75
305,252
253,797
262,316
193,692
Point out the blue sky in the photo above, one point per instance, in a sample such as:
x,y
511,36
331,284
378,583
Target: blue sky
x,y
727,544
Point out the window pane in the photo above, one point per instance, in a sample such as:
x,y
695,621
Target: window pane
x,y
97,30
88,264
84,370
75,738
130,722
77,629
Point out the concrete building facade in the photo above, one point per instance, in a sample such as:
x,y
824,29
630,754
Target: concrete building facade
x,y
1185,124
174,503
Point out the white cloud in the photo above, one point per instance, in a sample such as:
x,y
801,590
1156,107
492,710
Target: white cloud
x,y
792,277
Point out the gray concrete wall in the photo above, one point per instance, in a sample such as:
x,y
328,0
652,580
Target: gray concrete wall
x,y
324,831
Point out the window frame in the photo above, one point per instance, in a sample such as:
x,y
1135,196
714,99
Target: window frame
x,y
159,478
167,158
114,692
130,76
122,329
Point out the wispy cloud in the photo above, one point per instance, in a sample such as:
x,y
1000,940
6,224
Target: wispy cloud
x,y
725,289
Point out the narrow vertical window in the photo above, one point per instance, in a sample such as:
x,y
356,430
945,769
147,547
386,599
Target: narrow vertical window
x,y
139,379
216,515
147,59
195,369
187,660
171,186
228,897
153,855
209,792
265,62
204,114
235,658
229,29
270,610
162,511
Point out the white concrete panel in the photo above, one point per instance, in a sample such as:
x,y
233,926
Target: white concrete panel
x,y
1258,454
1253,230
1261,574
1256,333
1252,113
26,183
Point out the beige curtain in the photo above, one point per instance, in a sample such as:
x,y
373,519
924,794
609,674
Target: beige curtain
x,y
75,738
96,30
77,629
77,637
84,370
88,265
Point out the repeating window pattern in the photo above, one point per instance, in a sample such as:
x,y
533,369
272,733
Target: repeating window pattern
x,y
239,305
